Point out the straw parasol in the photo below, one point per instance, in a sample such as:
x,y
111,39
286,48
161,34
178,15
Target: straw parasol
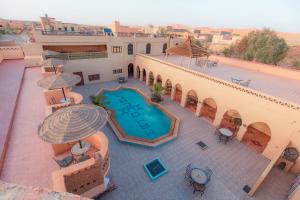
x,y
53,62
188,49
72,123
58,81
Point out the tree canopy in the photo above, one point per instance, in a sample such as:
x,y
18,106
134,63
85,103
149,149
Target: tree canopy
x,y
263,46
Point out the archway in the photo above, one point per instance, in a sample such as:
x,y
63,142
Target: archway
x,y
148,48
130,70
209,109
257,136
168,88
138,72
144,75
165,46
151,78
191,101
158,79
178,93
229,119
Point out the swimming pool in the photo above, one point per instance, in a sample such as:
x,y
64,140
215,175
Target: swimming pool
x,y
135,118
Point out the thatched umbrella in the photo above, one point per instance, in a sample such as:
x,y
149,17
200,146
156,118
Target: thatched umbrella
x,y
72,124
53,62
58,81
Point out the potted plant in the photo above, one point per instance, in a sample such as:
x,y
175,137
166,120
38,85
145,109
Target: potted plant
x,y
157,91
237,121
98,100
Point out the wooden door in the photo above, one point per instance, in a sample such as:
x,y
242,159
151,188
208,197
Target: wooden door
x,y
81,76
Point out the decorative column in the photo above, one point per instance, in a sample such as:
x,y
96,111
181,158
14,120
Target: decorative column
x,y
135,73
173,92
183,99
141,76
241,132
219,117
147,80
199,106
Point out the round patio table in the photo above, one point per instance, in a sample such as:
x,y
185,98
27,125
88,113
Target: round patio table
x,y
226,132
76,150
63,100
199,176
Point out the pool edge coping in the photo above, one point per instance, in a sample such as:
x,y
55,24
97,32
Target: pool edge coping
x,y
171,135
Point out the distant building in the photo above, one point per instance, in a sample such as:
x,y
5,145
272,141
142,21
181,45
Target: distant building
x,y
12,24
116,27
50,24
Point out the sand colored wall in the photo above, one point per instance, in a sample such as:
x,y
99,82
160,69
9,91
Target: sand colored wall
x,y
296,195
11,52
252,105
102,66
264,68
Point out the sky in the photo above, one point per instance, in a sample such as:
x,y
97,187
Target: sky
x,y
279,15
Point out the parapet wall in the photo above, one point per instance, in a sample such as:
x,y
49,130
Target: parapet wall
x,y
260,67
11,52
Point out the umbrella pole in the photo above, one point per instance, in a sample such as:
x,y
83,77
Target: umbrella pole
x,y
54,69
80,144
64,93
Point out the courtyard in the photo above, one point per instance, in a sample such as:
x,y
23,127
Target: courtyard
x,y
234,165
29,159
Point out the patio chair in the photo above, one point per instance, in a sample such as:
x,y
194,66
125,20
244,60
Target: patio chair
x,y
246,83
188,170
208,172
121,79
223,138
65,162
237,81
53,101
199,188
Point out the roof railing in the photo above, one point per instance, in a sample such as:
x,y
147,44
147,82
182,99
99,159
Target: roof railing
x,y
78,55
73,33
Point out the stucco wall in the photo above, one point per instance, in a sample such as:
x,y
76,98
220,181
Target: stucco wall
x,y
253,106
264,68
11,52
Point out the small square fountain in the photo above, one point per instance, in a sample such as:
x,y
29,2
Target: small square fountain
x,y
155,169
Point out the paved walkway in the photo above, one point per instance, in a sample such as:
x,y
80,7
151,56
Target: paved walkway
x,y
234,165
273,85
11,74
29,159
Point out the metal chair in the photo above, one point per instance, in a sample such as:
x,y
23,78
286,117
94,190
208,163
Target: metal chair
x,y
188,170
246,83
199,188
208,173
65,162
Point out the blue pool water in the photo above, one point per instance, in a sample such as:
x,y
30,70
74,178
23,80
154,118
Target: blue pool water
x,y
136,117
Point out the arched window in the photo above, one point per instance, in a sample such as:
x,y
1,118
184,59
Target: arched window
x,y
165,46
148,48
130,49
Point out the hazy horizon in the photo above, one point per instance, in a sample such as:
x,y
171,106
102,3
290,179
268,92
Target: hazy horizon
x,y
230,14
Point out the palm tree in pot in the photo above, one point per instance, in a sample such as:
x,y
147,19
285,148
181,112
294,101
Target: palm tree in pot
x,y
237,121
157,91
99,100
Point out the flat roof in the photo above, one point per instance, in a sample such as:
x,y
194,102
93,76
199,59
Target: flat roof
x,y
276,86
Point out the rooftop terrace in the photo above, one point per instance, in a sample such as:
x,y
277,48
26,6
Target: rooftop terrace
x,y
273,85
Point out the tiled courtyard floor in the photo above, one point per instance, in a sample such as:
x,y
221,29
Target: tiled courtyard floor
x,y
234,165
